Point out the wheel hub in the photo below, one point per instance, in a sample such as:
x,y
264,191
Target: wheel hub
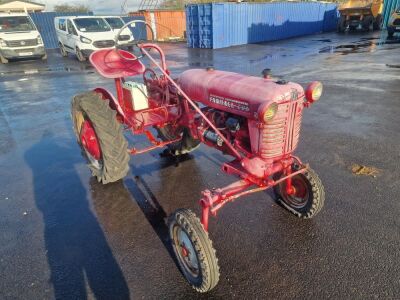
x,y
187,252
297,196
89,140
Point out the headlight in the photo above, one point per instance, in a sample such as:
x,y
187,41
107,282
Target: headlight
x,y
314,91
85,40
39,40
268,113
3,43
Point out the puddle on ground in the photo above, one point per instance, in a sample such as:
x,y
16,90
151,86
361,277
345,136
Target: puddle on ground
x,y
368,44
393,66
357,169
323,40
59,68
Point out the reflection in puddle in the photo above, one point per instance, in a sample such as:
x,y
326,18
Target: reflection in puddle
x,y
369,44
56,68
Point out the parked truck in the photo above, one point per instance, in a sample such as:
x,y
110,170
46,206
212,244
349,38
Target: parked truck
x,y
360,14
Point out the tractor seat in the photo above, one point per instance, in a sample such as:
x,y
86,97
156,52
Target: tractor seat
x,y
110,64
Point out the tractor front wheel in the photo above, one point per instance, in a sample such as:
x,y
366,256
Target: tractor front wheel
x,y
308,195
194,251
100,136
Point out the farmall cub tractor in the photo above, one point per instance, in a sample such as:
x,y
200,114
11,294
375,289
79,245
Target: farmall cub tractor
x,y
254,120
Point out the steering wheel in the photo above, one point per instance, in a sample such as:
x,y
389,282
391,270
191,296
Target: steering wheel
x,y
135,43
153,76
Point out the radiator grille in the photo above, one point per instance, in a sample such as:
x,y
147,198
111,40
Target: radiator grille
x,y
124,38
22,43
104,44
281,135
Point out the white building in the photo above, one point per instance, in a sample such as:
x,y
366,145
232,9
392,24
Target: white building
x,y
21,6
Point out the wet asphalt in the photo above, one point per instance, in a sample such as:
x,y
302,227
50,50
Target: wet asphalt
x,y
65,236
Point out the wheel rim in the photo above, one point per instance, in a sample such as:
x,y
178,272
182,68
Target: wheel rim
x,y
90,143
79,54
186,251
301,195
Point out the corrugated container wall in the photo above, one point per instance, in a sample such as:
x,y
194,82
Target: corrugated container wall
x,y
166,24
45,23
388,7
219,25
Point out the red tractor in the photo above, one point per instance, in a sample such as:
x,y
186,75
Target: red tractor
x,y
254,120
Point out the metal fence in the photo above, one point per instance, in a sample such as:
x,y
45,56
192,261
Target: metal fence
x,y
45,24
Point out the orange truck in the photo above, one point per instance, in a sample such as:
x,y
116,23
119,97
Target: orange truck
x,y
360,14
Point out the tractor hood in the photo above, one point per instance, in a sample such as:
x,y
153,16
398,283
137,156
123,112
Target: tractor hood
x,y
236,93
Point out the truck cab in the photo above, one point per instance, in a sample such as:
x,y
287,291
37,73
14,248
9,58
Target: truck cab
x,y
19,38
394,23
360,14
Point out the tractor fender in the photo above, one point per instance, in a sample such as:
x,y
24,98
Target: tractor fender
x,y
113,103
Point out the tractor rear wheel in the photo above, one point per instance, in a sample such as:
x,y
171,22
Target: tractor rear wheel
x,y
185,145
308,197
100,136
194,251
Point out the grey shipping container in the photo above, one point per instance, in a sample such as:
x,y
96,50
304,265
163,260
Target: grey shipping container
x,y
218,25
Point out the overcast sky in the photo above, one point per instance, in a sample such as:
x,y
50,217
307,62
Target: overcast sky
x,y
98,6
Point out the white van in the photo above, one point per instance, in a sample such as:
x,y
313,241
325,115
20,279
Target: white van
x,y
116,23
83,35
19,38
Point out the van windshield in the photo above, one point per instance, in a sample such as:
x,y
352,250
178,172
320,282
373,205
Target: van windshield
x,y
16,23
91,25
115,23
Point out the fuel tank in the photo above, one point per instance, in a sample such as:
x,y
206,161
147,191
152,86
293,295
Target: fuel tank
x,y
236,93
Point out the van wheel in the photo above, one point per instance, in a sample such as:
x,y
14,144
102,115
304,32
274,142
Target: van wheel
x,y
63,52
79,55
3,60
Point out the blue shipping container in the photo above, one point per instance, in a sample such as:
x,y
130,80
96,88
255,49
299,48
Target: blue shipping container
x,y
388,8
139,31
45,24
219,25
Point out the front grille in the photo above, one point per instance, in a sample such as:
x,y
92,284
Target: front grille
x,y
24,50
104,44
354,18
396,22
124,38
22,43
281,135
